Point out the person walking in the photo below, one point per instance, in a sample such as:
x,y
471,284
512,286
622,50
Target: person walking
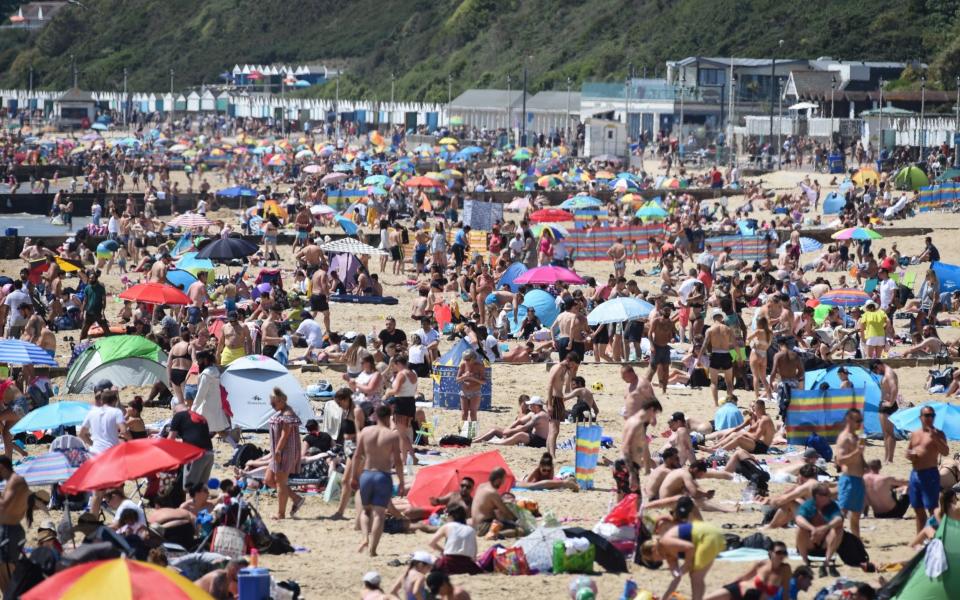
x,y
284,453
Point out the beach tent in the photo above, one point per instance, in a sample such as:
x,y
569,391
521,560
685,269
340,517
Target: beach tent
x,y
442,478
833,203
513,271
446,390
249,382
346,266
860,378
126,360
544,305
913,583
948,275
911,178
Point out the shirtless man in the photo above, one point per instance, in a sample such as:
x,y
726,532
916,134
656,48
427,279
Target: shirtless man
x,y
559,382
719,338
198,299
34,325
662,330
158,272
534,427
780,510
270,338
755,437
882,494
489,507
309,256
572,328
234,342
680,438
924,450
653,481
48,339
684,481
787,366
13,507
618,253
222,583
638,391
319,295
635,448
889,403
378,451
851,492
471,375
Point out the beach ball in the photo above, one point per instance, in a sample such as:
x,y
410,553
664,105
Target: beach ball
x,y
580,584
597,386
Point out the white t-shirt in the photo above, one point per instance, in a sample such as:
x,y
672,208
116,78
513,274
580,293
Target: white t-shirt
x,y
686,288
417,355
887,289
427,338
103,423
113,225
312,332
13,301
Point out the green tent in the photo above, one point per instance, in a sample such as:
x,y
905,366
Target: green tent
x,y
911,178
912,582
125,360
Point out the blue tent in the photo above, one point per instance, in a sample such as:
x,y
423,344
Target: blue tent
x,y
180,279
747,226
543,304
948,276
446,390
834,203
513,271
860,378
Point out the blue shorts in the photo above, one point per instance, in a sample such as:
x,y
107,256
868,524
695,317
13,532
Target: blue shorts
x,y
925,488
193,315
376,488
851,493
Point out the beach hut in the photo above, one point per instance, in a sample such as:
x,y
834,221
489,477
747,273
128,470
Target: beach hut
x,y
249,382
125,360
446,390
860,378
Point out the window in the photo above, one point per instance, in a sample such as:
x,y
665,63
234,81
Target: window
x,y
73,113
712,77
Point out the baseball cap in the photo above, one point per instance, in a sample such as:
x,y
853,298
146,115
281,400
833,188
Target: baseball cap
x,y
371,577
103,384
716,313
423,557
869,304
536,400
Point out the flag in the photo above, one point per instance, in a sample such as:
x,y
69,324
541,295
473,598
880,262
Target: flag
x,y
588,451
821,412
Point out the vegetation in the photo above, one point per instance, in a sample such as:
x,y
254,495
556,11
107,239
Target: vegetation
x,y
478,43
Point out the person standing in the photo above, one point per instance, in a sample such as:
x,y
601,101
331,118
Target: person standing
x,y
207,402
192,429
889,404
924,450
662,330
284,453
14,503
719,339
94,303
404,392
873,329
471,375
851,491
102,429
378,451
559,383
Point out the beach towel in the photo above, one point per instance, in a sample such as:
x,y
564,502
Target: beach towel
x,y
588,451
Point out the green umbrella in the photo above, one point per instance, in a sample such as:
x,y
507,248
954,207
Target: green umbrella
x,y
911,178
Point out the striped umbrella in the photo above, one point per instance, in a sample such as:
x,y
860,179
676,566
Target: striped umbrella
x,y
190,220
844,297
856,233
19,352
52,467
125,578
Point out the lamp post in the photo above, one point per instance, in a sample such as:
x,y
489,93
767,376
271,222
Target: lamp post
x,y
833,88
523,117
732,121
773,84
626,87
392,83
73,67
683,83
449,96
779,122
171,82
880,126
124,97
336,105
956,126
509,106
566,129
923,107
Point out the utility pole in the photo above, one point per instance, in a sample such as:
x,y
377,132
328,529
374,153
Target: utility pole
x,y
449,96
124,97
956,127
336,105
171,82
731,123
923,122
392,83
880,145
283,107
523,118
626,87
779,123
773,85
509,107
566,130
833,88
683,84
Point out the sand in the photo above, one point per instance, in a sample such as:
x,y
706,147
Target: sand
x,y
330,567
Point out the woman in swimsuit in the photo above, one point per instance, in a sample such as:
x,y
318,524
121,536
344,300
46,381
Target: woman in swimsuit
x,y
351,423
697,542
767,576
179,362
760,340
135,424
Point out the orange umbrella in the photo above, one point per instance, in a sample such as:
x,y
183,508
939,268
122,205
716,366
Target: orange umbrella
x,y
423,182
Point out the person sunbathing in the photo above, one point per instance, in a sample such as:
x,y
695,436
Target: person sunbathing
x,y
756,437
544,478
533,428
765,579
931,344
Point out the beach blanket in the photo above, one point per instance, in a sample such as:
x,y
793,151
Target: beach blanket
x,y
821,412
364,299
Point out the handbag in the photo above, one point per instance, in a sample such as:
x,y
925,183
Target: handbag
x,y
512,561
229,541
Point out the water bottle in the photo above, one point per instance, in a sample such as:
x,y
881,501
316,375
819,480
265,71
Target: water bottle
x,y
408,467
748,493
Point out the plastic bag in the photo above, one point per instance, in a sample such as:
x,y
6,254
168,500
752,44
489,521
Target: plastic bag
x,y
624,513
512,561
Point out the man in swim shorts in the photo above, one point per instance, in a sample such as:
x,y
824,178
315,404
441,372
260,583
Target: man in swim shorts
x,y
926,446
378,451
719,338
851,492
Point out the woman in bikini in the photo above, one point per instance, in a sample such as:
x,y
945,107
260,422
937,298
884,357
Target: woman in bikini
x,y
179,362
135,424
767,577
760,340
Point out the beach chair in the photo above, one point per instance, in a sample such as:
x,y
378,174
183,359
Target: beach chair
x,y
870,285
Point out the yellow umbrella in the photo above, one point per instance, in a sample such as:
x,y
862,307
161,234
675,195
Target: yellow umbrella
x,y
865,176
448,140
120,579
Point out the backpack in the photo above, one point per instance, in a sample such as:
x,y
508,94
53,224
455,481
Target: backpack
x,y
754,473
758,541
820,445
244,454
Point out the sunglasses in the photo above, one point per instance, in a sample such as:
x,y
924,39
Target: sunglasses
x,y
928,415
782,553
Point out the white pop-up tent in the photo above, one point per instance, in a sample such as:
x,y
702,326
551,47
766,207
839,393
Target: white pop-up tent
x,y
249,382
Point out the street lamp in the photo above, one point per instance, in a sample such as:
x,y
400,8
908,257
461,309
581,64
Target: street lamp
x,y
833,88
956,126
566,130
449,96
393,81
773,84
731,119
523,99
779,122
923,106
171,82
626,117
336,105
683,83
124,96
880,127
509,105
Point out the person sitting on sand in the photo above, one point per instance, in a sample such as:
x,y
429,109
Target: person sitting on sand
x,y
489,513
930,345
529,429
684,481
442,588
528,352
754,436
584,407
414,580
544,478
779,511
459,549
882,494
765,579
653,481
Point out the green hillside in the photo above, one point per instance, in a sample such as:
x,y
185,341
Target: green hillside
x,y
477,42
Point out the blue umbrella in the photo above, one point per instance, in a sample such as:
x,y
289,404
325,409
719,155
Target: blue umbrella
x,y
52,467
806,245
581,202
233,192
472,150
349,227
99,126
651,210
19,352
947,419
180,279
52,416
619,310
377,180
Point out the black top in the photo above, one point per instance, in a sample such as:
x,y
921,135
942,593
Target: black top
x,y
398,337
192,429
934,255
320,440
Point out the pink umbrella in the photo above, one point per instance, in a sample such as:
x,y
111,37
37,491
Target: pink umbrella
x,y
334,178
549,274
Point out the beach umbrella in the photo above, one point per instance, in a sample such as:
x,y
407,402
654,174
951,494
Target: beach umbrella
x,y
68,265
180,279
618,310
124,578
53,467
422,182
549,274
947,418
547,181
377,180
521,154
345,223
225,249
472,150
437,480
558,231
319,210
911,178
865,176
449,140
856,233
131,460
833,203
581,202
624,185
237,191
550,215
155,293
20,352
53,415
335,177
190,220
844,297
192,264
312,169
99,126
631,199
376,190
651,210
806,245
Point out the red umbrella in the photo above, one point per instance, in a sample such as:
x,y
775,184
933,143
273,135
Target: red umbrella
x,y
155,293
130,460
443,478
423,182
550,215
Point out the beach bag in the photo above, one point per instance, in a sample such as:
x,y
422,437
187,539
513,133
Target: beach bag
x,y
486,559
576,562
244,454
754,473
512,561
624,512
852,551
820,445
229,541
757,541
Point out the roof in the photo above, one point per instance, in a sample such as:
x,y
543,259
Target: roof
x,y
555,101
815,83
736,62
76,95
490,99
